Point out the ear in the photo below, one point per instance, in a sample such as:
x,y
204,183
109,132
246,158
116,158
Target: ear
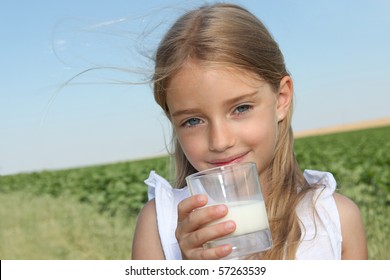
x,y
285,96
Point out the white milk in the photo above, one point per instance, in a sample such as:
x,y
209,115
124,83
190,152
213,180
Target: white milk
x,y
249,216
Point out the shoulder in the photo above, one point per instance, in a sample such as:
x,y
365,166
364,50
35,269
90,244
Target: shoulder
x,y
352,228
346,205
148,212
146,240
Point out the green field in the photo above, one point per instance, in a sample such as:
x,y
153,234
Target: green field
x,y
90,213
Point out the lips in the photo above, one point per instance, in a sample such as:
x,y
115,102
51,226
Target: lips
x,y
228,160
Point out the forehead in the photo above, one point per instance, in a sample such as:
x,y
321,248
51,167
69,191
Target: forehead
x,y
193,74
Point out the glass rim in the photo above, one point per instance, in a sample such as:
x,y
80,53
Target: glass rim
x,y
222,168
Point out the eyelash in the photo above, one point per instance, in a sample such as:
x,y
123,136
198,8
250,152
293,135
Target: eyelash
x,y
187,122
246,108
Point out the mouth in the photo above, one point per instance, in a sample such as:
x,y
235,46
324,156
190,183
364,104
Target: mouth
x,y
228,160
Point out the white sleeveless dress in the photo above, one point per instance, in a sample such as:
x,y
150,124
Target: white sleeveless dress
x,y
321,238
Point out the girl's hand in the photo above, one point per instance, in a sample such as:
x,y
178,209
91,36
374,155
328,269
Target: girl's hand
x,y
192,232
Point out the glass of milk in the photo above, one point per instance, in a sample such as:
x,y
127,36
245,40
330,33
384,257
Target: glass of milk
x,y
237,186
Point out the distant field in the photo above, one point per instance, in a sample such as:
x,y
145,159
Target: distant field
x,y
345,128
89,213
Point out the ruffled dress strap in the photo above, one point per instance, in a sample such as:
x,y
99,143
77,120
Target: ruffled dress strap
x,y
321,229
166,198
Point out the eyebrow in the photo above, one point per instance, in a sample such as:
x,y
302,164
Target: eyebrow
x,y
226,103
184,112
241,97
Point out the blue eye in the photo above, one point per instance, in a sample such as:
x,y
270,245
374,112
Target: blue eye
x,y
192,122
242,108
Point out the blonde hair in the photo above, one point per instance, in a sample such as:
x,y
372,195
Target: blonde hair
x,y
229,35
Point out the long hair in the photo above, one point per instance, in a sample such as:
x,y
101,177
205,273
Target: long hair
x,y
229,35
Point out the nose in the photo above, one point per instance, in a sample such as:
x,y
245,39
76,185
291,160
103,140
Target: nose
x,y
221,136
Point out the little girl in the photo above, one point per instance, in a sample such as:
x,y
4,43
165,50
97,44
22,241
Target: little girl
x,y
221,80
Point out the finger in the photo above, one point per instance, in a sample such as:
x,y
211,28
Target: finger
x,y
217,252
201,217
210,254
206,234
188,205
191,245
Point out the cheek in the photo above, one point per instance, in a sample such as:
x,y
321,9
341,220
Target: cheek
x,y
262,138
258,140
192,146
262,130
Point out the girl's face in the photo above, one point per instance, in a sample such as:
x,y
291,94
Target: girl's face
x,y
223,116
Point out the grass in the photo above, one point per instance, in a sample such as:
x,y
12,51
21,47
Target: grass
x,y
44,227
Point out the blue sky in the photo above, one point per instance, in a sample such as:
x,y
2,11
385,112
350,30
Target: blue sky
x,y
336,51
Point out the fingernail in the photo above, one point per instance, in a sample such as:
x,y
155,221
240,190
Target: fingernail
x,y
201,198
227,249
229,225
221,209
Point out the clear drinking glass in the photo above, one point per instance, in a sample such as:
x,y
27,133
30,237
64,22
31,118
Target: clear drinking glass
x,y
237,186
